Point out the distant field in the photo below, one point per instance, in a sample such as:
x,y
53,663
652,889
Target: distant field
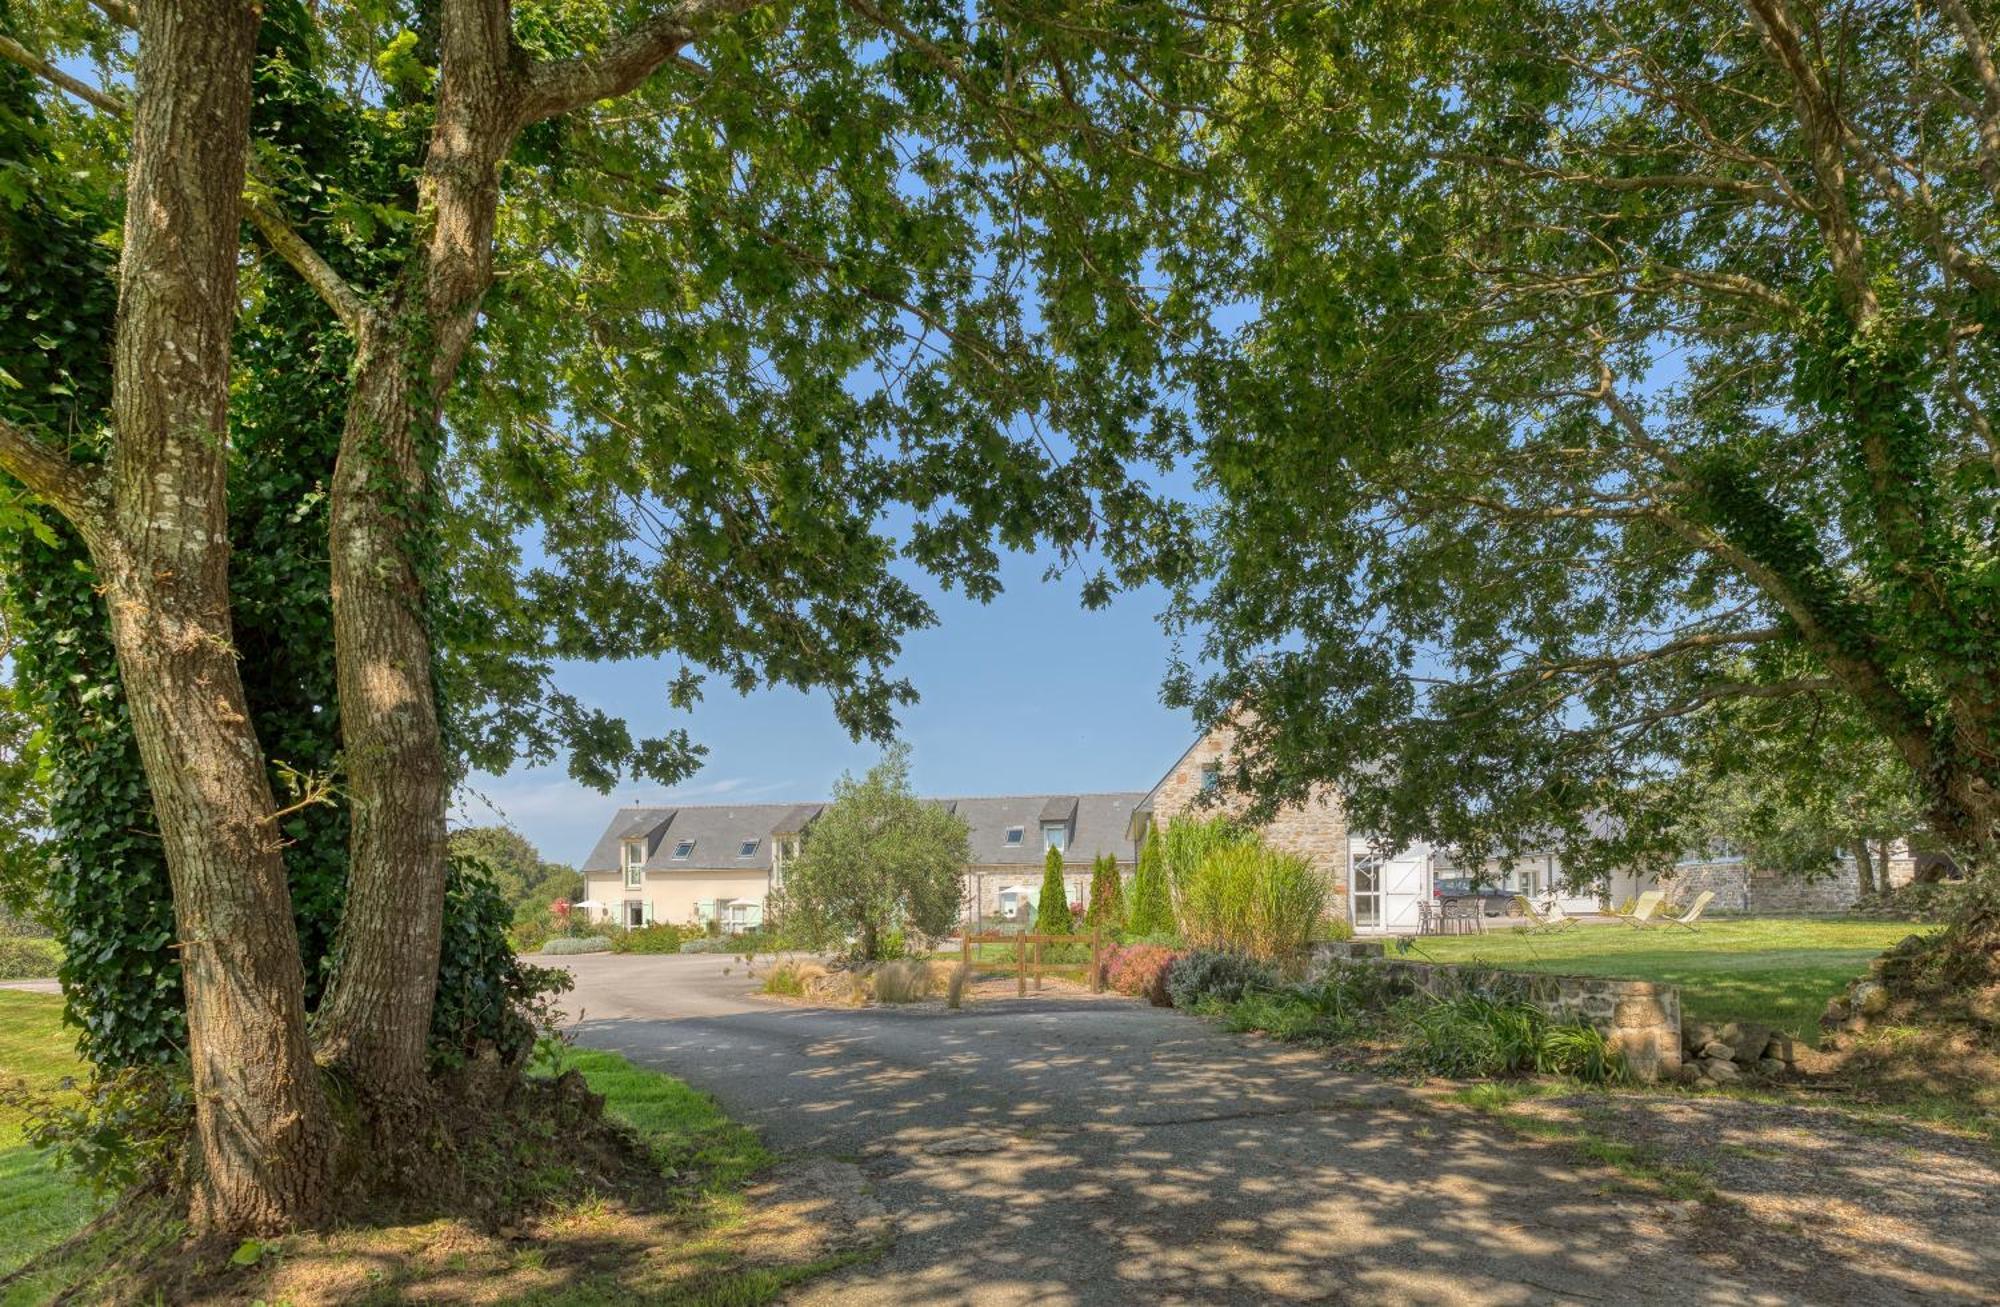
x,y
1780,971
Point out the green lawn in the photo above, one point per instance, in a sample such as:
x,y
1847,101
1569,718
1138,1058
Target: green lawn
x,y
1780,971
38,1206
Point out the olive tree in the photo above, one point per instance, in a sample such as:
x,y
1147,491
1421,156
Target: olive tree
x,y
876,860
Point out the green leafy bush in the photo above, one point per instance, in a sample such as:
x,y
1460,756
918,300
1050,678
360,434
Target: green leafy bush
x,y
1337,928
485,994
656,938
1107,895
127,1128
1213,975
1583,1053
567,944
26,957
1473,1035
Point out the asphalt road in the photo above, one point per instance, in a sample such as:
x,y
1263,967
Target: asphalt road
x,y
1101,1151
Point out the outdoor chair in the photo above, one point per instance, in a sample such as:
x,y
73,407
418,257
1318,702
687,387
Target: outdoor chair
x,y
1645,909
1464,917
1546,922
1427,922
1687,919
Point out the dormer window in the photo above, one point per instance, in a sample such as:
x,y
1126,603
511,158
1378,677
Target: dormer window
x,y
1055,835
1014,834
747,848
635,863
682,850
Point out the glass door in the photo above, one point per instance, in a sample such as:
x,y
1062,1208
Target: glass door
x,y
1367,884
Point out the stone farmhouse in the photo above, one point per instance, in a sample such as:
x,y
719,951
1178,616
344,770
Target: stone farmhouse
x,y
719,863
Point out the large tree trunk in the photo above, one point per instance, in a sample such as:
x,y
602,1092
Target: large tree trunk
x,y
1864,870
375,1021
262,1126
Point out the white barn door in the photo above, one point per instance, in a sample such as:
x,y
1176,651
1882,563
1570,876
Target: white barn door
x,y
1383,893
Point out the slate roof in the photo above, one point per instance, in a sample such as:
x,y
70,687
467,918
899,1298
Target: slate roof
x,y
1097,824
718,831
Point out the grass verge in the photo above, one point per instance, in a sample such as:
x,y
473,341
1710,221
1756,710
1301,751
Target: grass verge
x,y
676,1204
1777,971
39,1206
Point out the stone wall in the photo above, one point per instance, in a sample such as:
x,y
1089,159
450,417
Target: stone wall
x,y
1741,887
1315,830
1640,1018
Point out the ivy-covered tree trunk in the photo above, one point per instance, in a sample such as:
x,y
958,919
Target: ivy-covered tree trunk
x,y
375,1020
157,525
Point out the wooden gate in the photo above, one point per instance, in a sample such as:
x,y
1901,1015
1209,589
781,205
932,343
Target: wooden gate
x,y
1027,944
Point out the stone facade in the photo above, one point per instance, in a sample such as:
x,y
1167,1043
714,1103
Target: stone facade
x,y
1315,830
1640,1018
983,885
1741,887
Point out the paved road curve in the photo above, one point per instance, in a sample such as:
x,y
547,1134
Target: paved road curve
x,y
1101,1151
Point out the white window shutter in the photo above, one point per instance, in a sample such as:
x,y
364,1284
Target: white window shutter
x,y
753,915
704,910
649,912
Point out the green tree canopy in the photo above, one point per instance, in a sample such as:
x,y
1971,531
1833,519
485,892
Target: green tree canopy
x,y
1591,371
519,873
877,859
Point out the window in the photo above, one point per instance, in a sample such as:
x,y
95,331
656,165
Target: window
x,y
682,850
1211,777
747,848
635,863
1014,834
1055,835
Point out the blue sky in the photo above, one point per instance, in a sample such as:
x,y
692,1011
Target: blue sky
x,y
1031,693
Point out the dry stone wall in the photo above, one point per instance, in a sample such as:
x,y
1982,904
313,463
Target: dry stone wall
x,y
1640,1018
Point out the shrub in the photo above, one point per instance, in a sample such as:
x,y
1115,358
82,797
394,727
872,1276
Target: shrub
x,y
1288,902
1135,969
128,1127
1474,1035
1337,928
792,978
1247,898
28,957
1188,844
656,938
1583,1053
954,993
1052,908
1151,911
907,981
485,994
565,944
528,936
1106,910
1224,977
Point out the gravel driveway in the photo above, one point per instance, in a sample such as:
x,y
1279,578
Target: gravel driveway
x,y
1060,1151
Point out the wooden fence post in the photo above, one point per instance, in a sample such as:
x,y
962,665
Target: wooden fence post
x,y
965,951
1038,963
1021,965
1096,975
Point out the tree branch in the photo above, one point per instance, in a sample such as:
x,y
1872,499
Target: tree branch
x,y
71,488
625,61
259,206
14,52
1987,116
295,250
